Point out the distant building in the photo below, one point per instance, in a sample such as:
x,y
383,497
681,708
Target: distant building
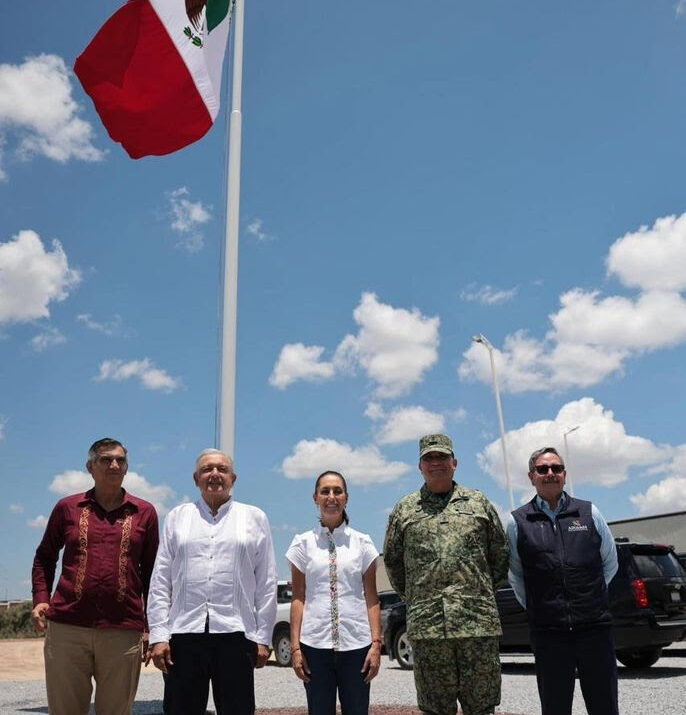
x,y
659,529
382,582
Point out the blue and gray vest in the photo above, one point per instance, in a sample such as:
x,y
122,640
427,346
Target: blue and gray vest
x,y
563,570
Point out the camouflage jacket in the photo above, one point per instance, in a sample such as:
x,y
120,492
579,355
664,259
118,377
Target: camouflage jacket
x,y
445,555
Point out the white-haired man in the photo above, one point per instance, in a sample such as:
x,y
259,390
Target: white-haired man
x,y
212,601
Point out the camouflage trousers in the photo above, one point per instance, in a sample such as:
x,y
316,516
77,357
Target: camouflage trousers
x,y
464,669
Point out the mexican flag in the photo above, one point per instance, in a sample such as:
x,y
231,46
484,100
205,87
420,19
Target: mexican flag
x,y
154,72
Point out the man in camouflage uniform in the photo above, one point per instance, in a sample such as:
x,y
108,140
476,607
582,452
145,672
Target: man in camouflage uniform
x,y
445,552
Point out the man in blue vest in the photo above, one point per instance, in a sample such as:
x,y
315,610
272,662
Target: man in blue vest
x,y
562,556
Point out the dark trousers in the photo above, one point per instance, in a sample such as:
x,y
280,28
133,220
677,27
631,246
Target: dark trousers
x,y
227,660
560,654
332,670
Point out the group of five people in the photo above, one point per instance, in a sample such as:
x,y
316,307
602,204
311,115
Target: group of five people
x,y
210,586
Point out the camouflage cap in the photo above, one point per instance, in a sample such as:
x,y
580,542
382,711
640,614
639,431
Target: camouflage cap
x,y
435,443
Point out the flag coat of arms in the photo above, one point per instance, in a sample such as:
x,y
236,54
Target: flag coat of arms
x,y
154,72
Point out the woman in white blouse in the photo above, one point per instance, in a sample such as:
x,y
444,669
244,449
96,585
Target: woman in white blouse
x,y
335,615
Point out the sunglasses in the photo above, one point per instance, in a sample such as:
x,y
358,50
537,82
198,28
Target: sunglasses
x,y
542,469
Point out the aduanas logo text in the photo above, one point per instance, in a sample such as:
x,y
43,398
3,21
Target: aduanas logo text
x,y
576,525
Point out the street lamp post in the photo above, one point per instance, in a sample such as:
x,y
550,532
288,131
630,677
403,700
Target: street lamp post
x,y
496,391
570,484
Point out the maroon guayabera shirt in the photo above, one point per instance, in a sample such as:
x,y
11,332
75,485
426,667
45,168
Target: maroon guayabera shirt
x,y
106,565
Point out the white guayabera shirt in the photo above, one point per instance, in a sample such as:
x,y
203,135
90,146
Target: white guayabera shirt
x,y
355,553
219,567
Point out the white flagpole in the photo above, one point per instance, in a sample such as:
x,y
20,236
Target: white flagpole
x,y
227,403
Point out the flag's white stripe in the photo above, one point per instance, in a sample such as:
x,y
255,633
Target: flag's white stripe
x,y
215,50
204,63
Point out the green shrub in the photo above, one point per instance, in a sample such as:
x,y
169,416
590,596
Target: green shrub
x,y
15,621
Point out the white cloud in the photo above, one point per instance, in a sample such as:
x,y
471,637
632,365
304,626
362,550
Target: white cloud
x,y
38,522
458,415
360,465
653,320
680,7
503,513
151,377
670,493
519,364
111,328
405,424
255,230
665,496
74,481
3,422
37,107
652,259
487,295
300,362
524,365
47,339
187,217
600,451
3,173
159,495
394,346
16,508
285,527
592,336
676,466
71,482
374,411
31,278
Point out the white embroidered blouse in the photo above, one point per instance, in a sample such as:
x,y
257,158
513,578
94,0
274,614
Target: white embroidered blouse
x,y
335,613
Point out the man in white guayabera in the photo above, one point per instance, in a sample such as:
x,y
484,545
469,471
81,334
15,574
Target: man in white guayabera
x,y
212,602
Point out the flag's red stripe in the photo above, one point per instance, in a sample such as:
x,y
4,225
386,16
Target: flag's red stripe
x,y
141,87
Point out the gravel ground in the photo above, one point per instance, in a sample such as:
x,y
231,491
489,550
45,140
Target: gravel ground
x,y
660,690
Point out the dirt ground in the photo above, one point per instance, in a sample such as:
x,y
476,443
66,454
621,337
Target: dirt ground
x,y
21,659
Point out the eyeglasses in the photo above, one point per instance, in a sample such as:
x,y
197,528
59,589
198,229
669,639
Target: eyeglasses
x,y
542,469
106,459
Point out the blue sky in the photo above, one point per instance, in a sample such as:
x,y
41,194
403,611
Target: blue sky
x,y
413,174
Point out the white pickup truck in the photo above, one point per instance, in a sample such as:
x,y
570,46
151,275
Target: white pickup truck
x,y
281,639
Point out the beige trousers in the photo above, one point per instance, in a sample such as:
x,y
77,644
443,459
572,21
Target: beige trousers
x,y
74,655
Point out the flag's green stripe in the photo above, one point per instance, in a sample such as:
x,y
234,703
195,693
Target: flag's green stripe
x,y
215,12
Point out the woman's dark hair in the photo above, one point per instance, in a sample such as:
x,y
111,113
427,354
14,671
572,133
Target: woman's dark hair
x,y
345,487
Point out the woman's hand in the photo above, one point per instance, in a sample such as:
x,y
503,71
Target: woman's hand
x,y
299,663
372,663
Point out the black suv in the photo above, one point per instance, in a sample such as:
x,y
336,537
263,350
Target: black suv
x,y
647,600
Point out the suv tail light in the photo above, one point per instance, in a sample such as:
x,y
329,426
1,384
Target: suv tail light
x,y
640,593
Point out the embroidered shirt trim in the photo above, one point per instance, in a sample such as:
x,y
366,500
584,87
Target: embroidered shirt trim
x,y
83,551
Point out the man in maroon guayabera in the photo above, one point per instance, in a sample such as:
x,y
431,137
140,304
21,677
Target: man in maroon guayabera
x,y
94,620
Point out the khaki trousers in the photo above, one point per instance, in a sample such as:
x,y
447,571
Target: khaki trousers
x,y
74,655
